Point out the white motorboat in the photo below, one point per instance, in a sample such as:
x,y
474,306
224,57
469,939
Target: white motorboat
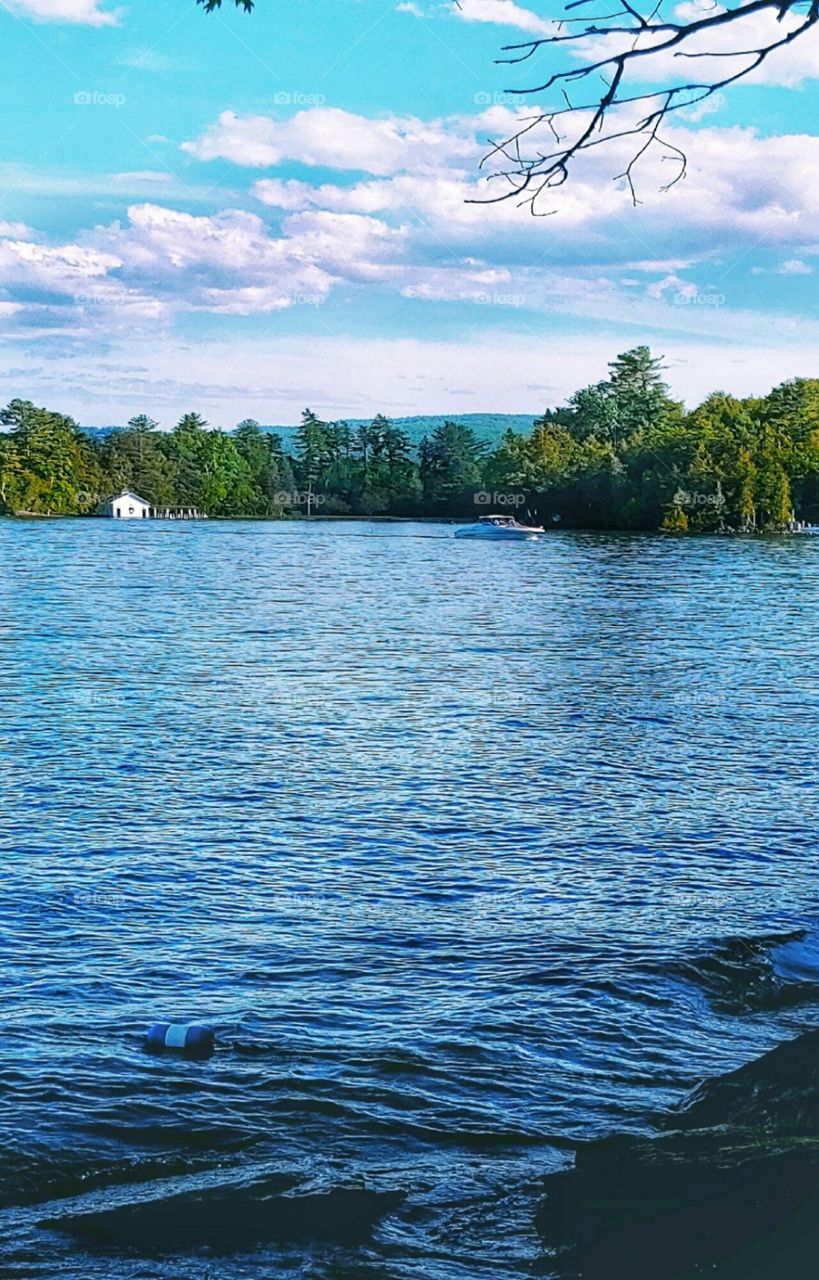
x,y
500,527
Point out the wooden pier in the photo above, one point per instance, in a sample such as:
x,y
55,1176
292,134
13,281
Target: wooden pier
x,y
175,513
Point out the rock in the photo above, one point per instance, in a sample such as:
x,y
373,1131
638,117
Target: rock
x,y
728,1186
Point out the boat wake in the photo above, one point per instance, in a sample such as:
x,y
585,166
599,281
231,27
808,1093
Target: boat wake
x,y
750,975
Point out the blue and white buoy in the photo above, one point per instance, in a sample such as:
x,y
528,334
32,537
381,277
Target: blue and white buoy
x,y
187,1038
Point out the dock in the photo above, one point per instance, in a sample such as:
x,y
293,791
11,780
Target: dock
x,y
175,513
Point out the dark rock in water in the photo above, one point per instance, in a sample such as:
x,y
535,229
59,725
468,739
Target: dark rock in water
x,y
728,1187
226,1220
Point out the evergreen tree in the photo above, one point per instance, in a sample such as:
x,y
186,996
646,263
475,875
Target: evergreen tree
x,y
190,423
633,399
261,451
314,454
451,466
388,477
134,459
142,424
47,464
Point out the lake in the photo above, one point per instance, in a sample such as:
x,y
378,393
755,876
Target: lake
x,y
467,850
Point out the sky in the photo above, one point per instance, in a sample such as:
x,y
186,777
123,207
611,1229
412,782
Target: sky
x,y
244,215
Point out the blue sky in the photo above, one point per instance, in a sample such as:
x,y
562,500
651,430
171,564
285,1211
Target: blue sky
x,y
246,215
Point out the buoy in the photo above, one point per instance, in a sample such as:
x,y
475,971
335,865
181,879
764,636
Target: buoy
x,y
187,1038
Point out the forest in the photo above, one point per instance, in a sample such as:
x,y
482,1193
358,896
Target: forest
x,y
620,454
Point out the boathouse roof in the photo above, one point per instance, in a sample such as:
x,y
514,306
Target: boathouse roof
x,y
127,493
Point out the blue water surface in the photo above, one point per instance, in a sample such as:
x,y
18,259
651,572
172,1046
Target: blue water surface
x,y
467,850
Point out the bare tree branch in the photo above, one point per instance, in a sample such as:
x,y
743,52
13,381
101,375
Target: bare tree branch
x,y
621,46
622,41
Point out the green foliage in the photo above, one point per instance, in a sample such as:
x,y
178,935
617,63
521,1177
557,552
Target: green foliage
x,y
210,5
623,454
268,471
451,464
133,458
387,475
620,454
675,521
190,423
47,464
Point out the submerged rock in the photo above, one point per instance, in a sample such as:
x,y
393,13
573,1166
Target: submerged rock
x,y
224,1220
728,1186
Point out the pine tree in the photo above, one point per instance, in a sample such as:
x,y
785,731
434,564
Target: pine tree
x,y
451,466
313,453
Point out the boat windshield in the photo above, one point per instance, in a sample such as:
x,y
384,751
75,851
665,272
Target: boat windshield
x,y
501,520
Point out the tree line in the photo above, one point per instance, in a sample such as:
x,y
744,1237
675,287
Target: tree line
x,y
621,453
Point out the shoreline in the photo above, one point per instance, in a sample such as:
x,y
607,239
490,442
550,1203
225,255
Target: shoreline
x,y
26,516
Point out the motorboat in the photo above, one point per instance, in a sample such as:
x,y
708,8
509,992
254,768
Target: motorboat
x,y
500,527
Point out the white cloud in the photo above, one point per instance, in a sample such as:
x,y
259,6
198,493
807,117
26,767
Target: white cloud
x,y
788,67
438,197
795,267
16,231
672,282
431,169
329,137
227,261
502,13
164,262
739,185
64,267
506,13
80,12
409,234
273,376
701,110
50,183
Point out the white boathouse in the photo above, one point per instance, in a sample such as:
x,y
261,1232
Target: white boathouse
x,y
129,506
126,506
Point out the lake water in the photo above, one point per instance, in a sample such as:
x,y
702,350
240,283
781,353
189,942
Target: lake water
x,y
468,851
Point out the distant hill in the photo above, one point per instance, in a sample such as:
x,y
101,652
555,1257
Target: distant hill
x,y
487,426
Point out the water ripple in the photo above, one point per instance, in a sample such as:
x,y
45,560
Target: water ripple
x,y
468,852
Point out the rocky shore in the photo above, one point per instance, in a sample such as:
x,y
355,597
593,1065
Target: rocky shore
x,y
728,1186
